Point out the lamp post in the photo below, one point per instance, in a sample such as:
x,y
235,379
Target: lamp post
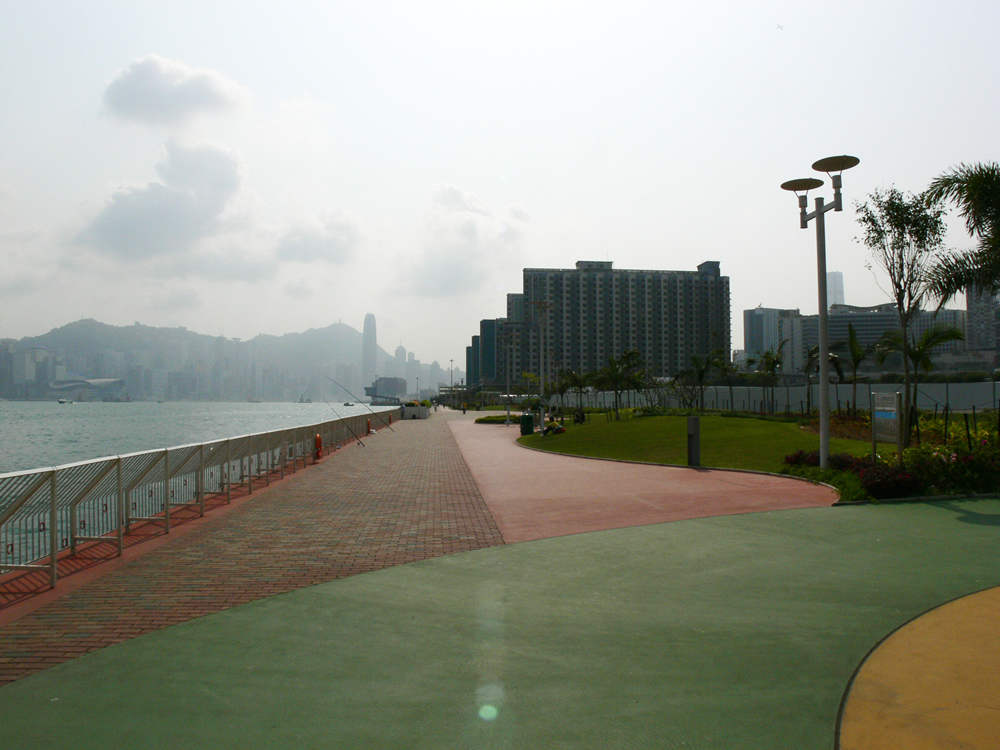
x,y
801,188
451,383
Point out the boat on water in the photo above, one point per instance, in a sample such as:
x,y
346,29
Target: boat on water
x,y
348,403
65,401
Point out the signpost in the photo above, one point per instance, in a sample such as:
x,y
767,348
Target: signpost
x,y
887,422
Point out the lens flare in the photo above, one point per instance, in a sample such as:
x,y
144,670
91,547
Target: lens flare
x,y
488,712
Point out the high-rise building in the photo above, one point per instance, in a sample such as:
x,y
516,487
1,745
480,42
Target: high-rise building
x,y
834,288
369,351
576,319
472,361
762,330
579,318
400,362
982,311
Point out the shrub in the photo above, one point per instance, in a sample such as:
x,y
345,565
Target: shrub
x,y
956,470
498,419
880,480
884,481
847,483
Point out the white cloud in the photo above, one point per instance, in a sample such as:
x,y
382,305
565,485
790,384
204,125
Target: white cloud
x,y
465,243
168,217
174,300
332,238
452,198
158,91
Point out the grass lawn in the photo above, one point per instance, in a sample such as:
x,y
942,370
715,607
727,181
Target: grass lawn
x,y
726,442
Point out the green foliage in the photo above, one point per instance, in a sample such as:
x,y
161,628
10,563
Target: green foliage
x,y
879,480
726,442
958,470
847,484
498,419
975,190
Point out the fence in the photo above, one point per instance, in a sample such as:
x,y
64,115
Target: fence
x,y
46,511
797,398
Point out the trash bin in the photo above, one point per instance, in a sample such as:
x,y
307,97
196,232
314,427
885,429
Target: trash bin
x,y
527,423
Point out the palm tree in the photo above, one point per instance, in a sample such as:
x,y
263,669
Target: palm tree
x,y
577,381
700,369
856,353
918,352
975,190
770,362
812,365
727,370
614,377
631,363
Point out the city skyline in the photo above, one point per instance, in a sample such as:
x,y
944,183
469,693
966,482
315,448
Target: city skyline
x,y
277,169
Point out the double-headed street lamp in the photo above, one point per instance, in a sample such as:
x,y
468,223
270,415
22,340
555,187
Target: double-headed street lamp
x,y
801,187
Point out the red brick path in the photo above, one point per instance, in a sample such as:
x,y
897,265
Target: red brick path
x,y
407,496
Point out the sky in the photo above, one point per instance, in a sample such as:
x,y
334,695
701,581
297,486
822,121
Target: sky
x,y
240,168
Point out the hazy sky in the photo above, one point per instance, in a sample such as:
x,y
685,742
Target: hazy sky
x,y
245,168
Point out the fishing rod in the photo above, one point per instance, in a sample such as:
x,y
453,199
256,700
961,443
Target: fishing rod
x,y
377,414
345,423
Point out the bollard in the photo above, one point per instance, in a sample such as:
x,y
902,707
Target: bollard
x,y
694,441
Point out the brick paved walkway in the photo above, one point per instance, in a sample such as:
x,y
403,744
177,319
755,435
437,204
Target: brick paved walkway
x,y
407,496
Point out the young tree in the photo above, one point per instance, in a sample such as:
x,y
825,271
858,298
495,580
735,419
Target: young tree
x,y
812,365
577,381
701,367
727,370
631,364
769,363
903,235
919,351
854,353
975,190
613,377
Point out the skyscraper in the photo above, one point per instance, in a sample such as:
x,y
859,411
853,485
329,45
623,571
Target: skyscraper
x,y
400,362
582,316
369,349
834,288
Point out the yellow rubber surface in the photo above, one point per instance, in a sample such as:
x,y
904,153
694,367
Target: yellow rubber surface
x,y
935,683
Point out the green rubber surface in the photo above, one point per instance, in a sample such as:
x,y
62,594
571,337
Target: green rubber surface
x,y
730,632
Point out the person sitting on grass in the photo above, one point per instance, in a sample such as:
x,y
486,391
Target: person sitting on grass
x,y
553,428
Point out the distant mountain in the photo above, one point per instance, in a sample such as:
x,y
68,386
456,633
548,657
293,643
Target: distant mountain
x,y
336,344
317,348
85,337
180,363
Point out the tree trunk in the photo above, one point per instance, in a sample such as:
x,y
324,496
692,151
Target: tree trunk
x,y
906,385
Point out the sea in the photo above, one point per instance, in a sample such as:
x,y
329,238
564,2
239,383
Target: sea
x,y
37,434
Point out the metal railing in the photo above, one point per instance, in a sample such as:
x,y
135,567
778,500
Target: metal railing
x,y
44,512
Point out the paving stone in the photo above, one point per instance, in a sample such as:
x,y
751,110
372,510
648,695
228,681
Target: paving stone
x,y
407,496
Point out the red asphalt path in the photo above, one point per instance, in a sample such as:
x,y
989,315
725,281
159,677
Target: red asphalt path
x,y
536,495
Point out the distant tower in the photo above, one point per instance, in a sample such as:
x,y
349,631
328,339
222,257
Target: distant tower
x,y
400,362
835,288
369,347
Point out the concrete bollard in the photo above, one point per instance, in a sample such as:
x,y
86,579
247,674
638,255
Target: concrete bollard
x,y
694,441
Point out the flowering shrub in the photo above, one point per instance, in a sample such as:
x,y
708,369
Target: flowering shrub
x,y
951,470
926,470
880,480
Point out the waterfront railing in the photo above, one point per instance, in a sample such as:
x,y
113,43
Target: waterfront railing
x,y
46,513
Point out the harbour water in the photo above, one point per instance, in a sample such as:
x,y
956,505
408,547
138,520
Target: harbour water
x,y
36,434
